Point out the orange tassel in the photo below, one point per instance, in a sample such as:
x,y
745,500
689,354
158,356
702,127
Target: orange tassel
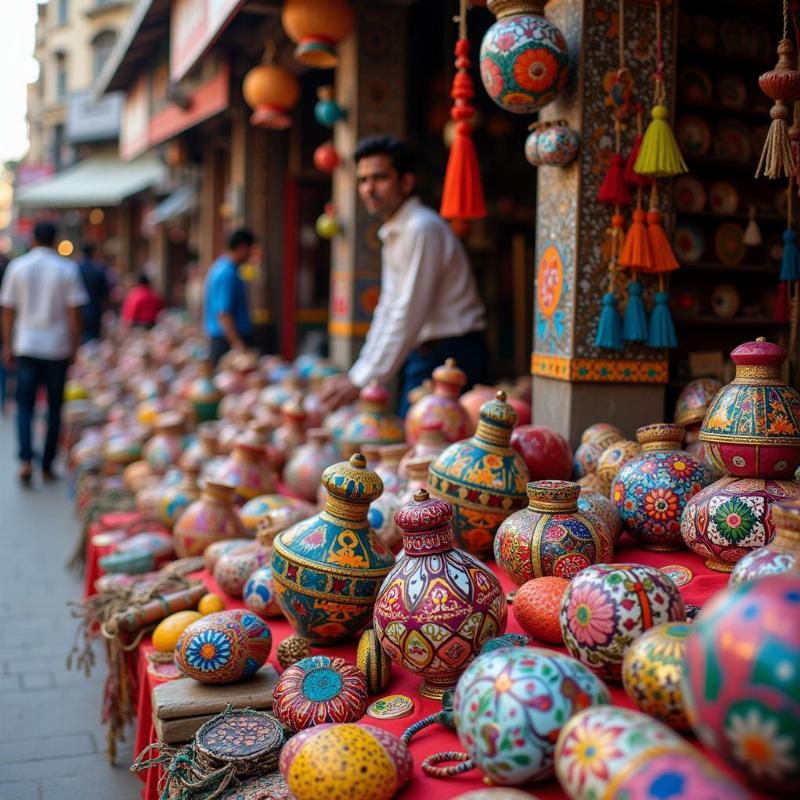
x,y
663,258
636,250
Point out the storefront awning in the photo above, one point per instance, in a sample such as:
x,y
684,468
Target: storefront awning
x,y
93,182
182,201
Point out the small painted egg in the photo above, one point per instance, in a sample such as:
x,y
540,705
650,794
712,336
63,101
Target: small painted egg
x,y
259,593
167,632
373,661
381,519
345,762
652,671
210,603
233,569
216,550
536,608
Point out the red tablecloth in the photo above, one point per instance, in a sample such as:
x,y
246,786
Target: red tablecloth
x,y
435,739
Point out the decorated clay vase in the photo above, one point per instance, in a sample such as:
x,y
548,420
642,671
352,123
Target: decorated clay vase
x,y
607,606
547,454
204,394
319,689
303,471
215,551
483,478
291,433
175,499
595,440
381,519
210,518
780,555
511,704
438,605
741,679
345,761
388,467
336,422
373,423
524,61
550,536
752,427
441,406
537,606
652,671
224,647
259,594
233,569
694,400
601,506
417,471
247,470
731,518
273,506
652,489
164,449
202,450
615,457
328,568
551,144
430,443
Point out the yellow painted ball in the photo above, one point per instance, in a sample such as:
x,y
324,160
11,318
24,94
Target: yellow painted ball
x,y
167,632
210,603
74,391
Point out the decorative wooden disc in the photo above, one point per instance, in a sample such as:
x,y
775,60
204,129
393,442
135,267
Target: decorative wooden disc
x,y
240,736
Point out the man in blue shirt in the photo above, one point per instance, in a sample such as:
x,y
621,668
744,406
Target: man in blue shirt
x,y
95,282
226,318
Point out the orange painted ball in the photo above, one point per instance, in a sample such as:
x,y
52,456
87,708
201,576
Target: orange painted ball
x,y
536,608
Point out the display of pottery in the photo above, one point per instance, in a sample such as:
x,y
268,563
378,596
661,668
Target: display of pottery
x,y
328,568
373,423
204,394
752,427
652,489
373,661
731,518
441,407
551,536
652,671
438,605
509,729
608,606
248,470
601,506
208,519
694,400
388,467
547,454
740,684
483,478
164,449
233,569
780,555
537,608
303,471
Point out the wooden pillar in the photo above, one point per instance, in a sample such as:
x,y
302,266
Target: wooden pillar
x,y
575,383
371,85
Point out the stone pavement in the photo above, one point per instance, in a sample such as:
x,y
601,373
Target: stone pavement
x,y
51,740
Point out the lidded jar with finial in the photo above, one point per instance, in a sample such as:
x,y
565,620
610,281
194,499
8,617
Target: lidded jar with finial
x,y
373,423
303,471
441,406
208,519
247,468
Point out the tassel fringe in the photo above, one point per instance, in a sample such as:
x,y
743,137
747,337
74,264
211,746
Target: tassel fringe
x,y
634,323
776,158
662,329
609,326
659,156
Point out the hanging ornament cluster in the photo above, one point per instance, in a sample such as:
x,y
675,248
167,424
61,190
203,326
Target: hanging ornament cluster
x,y
272,92
317,27
551,144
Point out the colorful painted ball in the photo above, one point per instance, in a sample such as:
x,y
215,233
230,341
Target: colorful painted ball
x,y
216,550
601,506
552,145
694,400
652,671
608,606
511,704
537,605
344,762
614,458
604,431
547,454
742,679
233,569
259,593
524,62
292,649
319,689
373,661
381,519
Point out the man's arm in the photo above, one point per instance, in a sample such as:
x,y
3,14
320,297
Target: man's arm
x,y
229,331
8,326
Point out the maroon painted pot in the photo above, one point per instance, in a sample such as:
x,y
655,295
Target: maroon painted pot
x,y
547,453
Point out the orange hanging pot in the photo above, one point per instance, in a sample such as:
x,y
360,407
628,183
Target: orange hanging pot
x,y
272,92
317,27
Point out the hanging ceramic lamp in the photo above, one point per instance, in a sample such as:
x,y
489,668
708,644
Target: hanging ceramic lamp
x,y
327,111
272,92
317,27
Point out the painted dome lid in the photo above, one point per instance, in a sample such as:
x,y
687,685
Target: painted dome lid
x,y
498,412
758,353
450,373
374,394
423,513
660,436
352,481
553,495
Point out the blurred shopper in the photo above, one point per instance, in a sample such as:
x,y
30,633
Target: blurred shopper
x,y
3,370
41,298
429,308
95,282
142,304
226,317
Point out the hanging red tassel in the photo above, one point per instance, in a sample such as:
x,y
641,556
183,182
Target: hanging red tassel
x,y
613,190
632,177
462,194
636,250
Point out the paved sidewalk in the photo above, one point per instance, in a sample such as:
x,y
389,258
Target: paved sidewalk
x,y
51,740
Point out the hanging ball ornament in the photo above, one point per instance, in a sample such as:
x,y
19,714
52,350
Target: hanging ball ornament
x,y
524,60
327,111
327,226
326,159
272,92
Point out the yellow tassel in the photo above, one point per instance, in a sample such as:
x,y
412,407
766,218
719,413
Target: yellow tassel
x,y
659,155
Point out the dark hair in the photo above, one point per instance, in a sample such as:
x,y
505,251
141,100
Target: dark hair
x,y
399,152
44,233
142,279
241,236
88,249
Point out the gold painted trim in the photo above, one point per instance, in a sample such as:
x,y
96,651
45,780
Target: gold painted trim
x,y
742,439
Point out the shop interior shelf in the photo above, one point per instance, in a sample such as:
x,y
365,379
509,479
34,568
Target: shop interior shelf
x,y
714,321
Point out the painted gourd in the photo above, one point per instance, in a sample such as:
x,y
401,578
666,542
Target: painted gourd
x,y
209,519
373,423
232,570
694,400
441,407
259,594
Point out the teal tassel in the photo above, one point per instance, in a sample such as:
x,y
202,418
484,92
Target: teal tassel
x,y
634,323
662,331
790,263
609,327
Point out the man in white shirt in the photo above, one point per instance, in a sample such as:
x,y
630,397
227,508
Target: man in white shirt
x,y
41,298
429,309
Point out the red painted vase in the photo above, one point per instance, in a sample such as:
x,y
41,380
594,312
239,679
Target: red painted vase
x,y
546,453
442,406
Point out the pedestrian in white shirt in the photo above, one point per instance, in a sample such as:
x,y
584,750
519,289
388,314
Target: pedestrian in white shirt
x,y
41,297
429,309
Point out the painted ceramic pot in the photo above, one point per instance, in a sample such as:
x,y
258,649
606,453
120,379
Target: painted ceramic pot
x,y
614,458
291,433
741,679
441,407
731,518
319,689
603,431
608,606
328,568
254,512
431,443
438,605
474,399
388,467
303,471
587,456
224,647
537,606
207,520
511,704
381,519
752,427
373,423
524,60
247,470
203,448
259,594
550,536
232,570
694,400
215,551
176,499
601,506
780,555
483,478
163,450
551,144
345,760
652,671
547,454
594,483
204,394
336,422
417,471
652,490
159,543
122,448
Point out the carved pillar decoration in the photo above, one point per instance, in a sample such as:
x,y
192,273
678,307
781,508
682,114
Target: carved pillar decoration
x,y
575,383
371,86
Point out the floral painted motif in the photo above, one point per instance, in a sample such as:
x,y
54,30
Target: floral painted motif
x,y
591,615
758,742
209,651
